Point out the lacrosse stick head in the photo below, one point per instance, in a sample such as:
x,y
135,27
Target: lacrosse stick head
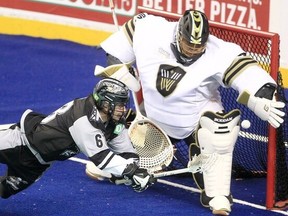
x,y
151,143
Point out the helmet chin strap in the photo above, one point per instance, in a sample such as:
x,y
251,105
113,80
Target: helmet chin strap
x,y
181,59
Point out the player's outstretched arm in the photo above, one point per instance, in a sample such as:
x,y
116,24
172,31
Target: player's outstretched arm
x,y
264,104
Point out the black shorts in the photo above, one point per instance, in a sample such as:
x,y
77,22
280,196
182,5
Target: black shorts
x,y
22,163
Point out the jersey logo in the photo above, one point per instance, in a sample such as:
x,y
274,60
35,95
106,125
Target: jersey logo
x,y
118,129
94,115
168,78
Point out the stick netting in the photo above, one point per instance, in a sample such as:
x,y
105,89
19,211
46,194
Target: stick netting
x,y
152,145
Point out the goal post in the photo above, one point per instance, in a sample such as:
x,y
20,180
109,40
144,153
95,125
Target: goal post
x,y
253,155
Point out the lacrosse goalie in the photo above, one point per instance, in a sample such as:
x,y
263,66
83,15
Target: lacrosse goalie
x,y
180,68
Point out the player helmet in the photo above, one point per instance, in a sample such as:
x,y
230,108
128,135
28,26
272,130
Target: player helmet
x,y
191,37
110,92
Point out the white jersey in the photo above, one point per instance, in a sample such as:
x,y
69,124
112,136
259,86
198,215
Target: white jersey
x,y
175,96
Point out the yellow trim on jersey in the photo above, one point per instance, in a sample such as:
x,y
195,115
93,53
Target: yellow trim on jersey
x,y
129,28
236,68
17,26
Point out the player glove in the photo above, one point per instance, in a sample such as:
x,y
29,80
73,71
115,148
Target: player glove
x,y
267,110
139,177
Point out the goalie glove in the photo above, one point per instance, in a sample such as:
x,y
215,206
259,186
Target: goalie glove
x,y
265,109
139,177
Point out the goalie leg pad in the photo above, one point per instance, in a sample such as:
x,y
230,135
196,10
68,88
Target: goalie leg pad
x,y
194,150
217,135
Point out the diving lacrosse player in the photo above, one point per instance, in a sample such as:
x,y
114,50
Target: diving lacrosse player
x,y
180,67
94,125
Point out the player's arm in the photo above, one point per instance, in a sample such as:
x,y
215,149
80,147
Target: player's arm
x,y
92,142
119,46
256,89
120,167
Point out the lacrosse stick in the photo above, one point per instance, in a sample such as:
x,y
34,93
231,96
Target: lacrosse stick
x,y
199,163
150,141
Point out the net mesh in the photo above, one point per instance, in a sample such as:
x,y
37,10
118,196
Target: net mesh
x,y
152,145
251,150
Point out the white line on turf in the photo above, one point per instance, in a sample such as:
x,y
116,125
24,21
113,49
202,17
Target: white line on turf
x,y
234,200
195,190
79,160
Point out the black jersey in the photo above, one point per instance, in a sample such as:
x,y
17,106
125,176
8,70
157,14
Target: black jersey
x,y
77,127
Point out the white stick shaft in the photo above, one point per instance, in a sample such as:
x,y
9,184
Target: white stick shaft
x,y
136,104
172,172
115,20
159,175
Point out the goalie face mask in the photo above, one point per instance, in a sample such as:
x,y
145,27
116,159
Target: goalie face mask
x,y
191,37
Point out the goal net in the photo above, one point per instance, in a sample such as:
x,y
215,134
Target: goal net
x,y
261,150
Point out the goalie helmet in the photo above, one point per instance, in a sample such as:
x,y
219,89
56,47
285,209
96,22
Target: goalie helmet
x,y
110,92
191,37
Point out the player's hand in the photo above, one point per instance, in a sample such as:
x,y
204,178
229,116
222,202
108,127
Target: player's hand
x,y
139,177
267,110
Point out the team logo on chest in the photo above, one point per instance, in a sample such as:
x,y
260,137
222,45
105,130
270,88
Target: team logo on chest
x,y
168,78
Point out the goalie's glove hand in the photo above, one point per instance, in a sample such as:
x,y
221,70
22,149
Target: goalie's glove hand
x,y
139,177
267,110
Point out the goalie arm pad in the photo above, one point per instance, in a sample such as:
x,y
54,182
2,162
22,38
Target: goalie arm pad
x,y
120,72
111,60
264,105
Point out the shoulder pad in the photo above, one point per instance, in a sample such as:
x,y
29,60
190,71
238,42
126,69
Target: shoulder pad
x,y
129,26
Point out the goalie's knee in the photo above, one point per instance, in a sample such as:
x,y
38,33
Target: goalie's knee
x,y
218,132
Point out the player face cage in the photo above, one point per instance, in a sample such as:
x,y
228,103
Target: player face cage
x,y
109,94
191,37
